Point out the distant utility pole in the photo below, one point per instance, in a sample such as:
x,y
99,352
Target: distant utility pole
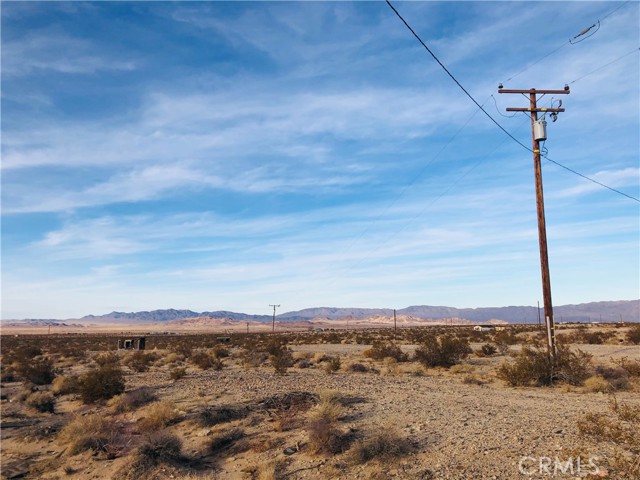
x,y
273,323
538,134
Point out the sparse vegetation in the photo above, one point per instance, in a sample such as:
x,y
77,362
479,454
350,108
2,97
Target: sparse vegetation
x,y
101,383
383,445
381,350
444,352
633,335
533,367
157,416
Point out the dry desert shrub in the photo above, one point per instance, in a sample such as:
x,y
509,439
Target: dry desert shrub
x,y
533,367
271,470
617,377
631,366
324,435
597,384
160,448
157,416
206,361
445,351
462,368
139,360
224,439
356,367
332,365
39,371
130,401
171,358
384,445
92,432
64,385
177,373
106,358
215,415
279,357
42,402
390,366
633,335
101,383
620,426
381,350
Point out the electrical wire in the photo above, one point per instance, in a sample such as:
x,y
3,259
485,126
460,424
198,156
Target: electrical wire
x,y
498,110
604,66
489,116
569,42
451,75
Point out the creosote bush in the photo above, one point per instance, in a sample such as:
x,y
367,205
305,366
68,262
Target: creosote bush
x,y
130,401
533,367
280,356
633,335
38,371
381,350
101,383
206,361
445,351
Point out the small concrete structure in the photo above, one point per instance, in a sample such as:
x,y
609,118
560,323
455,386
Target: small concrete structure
x,y
136,343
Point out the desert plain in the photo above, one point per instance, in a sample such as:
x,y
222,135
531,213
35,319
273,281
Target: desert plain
x,y
343,403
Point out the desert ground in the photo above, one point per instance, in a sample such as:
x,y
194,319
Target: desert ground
x,y
343,404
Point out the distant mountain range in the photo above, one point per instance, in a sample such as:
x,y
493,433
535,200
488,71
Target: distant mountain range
x,y
625,310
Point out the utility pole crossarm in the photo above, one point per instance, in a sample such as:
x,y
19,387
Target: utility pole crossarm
x,y
522,109
566,91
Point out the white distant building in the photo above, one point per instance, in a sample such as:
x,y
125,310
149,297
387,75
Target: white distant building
x,y
484,328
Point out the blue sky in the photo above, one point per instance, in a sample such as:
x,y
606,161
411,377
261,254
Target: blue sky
x,y
234,155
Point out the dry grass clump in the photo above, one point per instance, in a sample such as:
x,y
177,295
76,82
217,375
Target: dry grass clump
x,y
384,446
157,416
157,449
177,373
171,358
64,385
130,401
597,384
356,367
206,361
225,439
42,402
533,367
210,416
621,426
271,470
92,432
324,436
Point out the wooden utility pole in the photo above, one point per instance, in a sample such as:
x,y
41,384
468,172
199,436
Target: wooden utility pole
x,y
273,323
538,134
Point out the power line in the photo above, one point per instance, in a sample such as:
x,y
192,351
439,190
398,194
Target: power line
x,y
487,113
605,65
451,75
568,42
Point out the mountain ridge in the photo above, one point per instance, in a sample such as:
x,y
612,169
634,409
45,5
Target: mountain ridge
x,y
605,311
